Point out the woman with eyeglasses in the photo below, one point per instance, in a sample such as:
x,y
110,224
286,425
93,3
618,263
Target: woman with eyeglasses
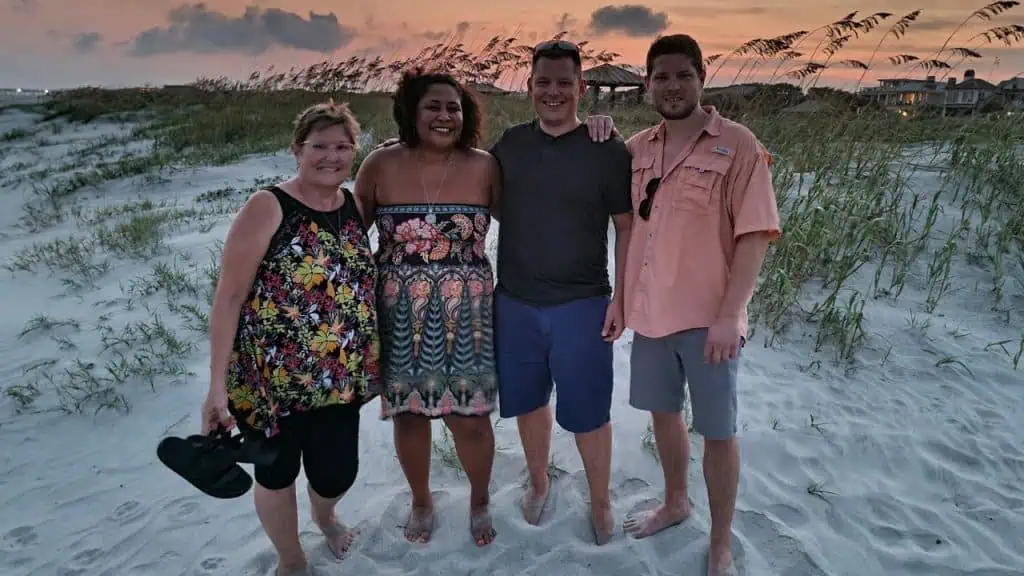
x,y
293,333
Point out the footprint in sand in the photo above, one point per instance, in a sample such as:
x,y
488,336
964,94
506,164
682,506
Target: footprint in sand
x,y
784,552
81,563
789,515
169,558
128,512
20,538
212,565
181,509
630,490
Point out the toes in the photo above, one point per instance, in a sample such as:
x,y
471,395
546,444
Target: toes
x,y
339,539
419,526
486,538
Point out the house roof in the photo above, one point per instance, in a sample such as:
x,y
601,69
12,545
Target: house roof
x,y
611,75
907,80
974,84
1015,83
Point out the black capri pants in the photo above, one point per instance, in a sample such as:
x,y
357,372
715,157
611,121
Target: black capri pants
x,y
325,440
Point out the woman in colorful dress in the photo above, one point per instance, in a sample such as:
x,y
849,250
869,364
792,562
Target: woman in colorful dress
x,y
430,196
293,333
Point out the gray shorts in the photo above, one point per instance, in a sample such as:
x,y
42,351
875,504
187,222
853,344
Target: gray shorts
x,y
662,368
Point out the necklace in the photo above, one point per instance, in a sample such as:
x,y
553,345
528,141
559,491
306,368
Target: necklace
x,y
327,215
337,229
431,218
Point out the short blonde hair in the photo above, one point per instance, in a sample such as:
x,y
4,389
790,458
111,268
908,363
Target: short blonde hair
x,y
325,115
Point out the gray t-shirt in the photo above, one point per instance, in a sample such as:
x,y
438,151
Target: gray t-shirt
x,y
558,195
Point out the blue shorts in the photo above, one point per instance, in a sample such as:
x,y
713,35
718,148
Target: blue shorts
x,y
537,346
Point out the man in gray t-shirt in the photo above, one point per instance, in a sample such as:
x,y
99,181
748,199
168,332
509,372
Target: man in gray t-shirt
x,y
555,315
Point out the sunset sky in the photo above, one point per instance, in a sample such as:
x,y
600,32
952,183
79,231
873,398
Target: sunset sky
x,y
66,43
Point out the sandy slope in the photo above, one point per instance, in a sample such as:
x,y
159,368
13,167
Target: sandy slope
x,y
924,464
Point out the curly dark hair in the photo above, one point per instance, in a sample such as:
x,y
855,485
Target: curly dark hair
x,y
411,89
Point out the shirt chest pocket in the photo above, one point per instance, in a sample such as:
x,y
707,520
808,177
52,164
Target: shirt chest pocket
x,y
701,183
642,172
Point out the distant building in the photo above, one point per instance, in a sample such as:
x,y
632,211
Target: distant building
x,y
1012,91
904,93
970,93
614,78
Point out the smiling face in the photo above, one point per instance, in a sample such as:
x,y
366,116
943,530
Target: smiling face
x,y
325,157
439,116
675,86
556,88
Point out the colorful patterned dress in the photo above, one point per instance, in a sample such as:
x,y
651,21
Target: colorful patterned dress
x,y
307,333
434,305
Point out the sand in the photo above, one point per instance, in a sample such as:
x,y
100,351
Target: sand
x,y
922,466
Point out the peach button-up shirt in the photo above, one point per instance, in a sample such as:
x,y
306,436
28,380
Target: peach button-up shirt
x,y
718,189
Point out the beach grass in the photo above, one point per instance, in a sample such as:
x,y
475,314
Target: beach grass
x,y
880,386
856,228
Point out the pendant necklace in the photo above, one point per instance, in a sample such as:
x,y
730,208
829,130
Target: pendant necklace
x,y
431,218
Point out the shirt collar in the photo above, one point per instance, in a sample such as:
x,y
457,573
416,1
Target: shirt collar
x,y
712,125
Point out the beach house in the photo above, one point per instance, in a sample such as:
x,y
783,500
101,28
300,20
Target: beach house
x,y
969,94
905,93
1012,91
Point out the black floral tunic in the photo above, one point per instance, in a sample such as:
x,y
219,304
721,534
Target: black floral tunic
x,y
307,333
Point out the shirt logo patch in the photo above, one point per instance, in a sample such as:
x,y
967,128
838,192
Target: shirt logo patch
x,y
722,150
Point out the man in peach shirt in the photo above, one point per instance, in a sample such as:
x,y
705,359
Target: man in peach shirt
x,y
706,212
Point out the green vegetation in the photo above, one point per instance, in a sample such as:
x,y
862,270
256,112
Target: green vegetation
x,y
874,206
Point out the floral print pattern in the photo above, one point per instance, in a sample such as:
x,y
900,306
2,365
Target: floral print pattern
x,y
307,334
435,308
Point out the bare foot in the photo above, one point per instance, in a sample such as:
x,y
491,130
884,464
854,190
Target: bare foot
x,y
339,538
420,524
720,563
534,502
644,524
480,526
603,523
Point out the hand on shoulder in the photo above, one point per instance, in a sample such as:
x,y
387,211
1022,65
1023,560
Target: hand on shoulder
x,y
601,127
386,143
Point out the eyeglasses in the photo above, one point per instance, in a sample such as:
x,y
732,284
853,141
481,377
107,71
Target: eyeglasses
x,y
549,45
322,147
645,205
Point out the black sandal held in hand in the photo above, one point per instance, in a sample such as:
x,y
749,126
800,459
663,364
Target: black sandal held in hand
x,y
210,463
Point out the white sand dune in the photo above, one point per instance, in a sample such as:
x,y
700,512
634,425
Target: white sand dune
x,y
922,465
